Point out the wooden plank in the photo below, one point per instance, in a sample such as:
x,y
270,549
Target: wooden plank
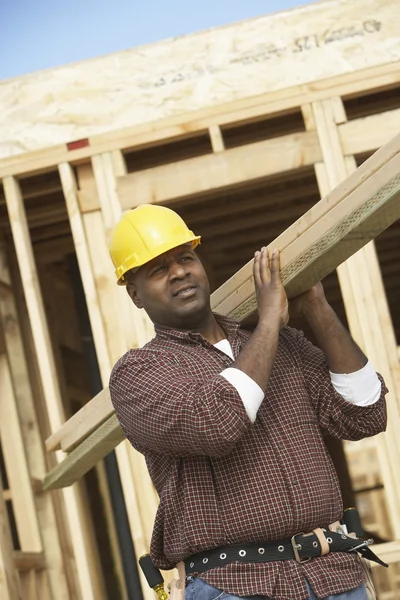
x,y
9,585
338,194
37,314
177,181
76,429
95,447
78,233
121,331
329,241
14,454
47,369
180,126
369,133
26,561
217,141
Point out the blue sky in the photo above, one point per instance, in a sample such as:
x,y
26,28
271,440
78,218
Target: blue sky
x,y
42,34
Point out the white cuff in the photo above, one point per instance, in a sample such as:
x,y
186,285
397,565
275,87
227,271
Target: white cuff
x,y
362,387
249,391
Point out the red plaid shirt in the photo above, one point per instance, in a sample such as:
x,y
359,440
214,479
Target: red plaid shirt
x,y
223,480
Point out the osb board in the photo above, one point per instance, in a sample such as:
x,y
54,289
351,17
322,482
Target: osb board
x,y
181,75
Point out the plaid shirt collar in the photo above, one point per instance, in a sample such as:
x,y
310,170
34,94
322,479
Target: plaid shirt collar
x,y
229,326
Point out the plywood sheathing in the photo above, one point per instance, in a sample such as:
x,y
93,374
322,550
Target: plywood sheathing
x,y
298,47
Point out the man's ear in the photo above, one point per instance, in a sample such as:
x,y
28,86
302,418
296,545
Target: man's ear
x,y
132,292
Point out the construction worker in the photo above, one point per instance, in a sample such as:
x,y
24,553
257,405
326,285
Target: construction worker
x,y
231,423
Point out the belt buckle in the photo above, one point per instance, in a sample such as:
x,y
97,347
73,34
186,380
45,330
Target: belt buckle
x,y
296,547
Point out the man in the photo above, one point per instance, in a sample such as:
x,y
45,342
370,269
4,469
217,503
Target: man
x,y
231,423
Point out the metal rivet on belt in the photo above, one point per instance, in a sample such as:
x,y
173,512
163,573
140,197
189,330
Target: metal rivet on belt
x,y
344,537
281,548
222,556
205,560
191,565
315,544
261,550
242,552
298,546
329,540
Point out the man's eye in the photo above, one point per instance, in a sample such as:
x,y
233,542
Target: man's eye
x,y
158,270
186,258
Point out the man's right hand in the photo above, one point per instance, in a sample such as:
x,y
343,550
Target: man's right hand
x,y
272,302
258,354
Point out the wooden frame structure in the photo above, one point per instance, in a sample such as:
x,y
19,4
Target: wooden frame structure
x,y
273,153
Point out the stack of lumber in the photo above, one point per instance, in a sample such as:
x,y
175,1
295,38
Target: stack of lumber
x,y
346,219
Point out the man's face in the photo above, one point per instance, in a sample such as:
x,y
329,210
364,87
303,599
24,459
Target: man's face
x,y
173,289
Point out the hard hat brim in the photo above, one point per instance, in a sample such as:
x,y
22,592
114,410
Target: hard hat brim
x,y
194,241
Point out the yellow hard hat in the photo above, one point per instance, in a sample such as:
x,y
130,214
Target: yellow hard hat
x,y
144,233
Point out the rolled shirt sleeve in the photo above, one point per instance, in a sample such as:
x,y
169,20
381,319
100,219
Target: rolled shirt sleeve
x,y
336,415
249,391
362,387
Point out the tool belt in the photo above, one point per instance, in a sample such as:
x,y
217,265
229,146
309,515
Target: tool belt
x,y
301,547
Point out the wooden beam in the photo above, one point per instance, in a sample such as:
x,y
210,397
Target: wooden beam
x,y
217,140
204,174
27,561
95,447
119,327
333,200
369,133
75,430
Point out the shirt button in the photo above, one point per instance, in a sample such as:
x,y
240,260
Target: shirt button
x,y
280,445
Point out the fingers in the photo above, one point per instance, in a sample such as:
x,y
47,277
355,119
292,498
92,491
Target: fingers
x,y
275,265
261,267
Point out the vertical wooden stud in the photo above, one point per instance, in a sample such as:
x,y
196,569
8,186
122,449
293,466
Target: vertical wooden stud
x,y
97,277
48,374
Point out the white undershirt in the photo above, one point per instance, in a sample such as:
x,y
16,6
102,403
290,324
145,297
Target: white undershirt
x,y
362,387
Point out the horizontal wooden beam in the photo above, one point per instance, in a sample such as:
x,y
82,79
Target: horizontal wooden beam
x,y
77,428
178,127
159,184
177,181
369,133
343,221
85,456
27,561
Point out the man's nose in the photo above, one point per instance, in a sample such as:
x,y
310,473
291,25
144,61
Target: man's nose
x,y
177,271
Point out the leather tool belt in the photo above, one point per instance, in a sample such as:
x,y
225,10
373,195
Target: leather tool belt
x,y
301,547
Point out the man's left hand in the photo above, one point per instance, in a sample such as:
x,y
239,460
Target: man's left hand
x,y
308,301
